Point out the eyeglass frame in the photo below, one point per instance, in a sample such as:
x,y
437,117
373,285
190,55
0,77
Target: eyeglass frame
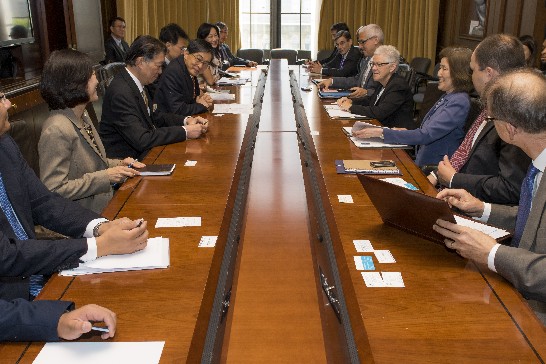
x,y
379,64
365,40
201,60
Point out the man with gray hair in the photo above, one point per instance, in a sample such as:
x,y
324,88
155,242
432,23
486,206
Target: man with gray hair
x,y
516,104
369,38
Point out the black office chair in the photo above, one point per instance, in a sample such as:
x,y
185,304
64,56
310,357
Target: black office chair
x,y
109,71
303,56
289,54
324,53
251,54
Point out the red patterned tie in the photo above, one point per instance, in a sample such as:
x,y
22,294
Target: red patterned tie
x,y
459,158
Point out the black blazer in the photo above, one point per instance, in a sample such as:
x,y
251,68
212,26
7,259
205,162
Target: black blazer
x,y
177,91
350,66
112,52
34,204
21,320
395,105
494,170
126,128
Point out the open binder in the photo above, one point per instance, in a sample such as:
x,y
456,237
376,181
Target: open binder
x,y
416,212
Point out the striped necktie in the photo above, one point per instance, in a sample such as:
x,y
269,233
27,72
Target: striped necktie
x,y
461,155
36,281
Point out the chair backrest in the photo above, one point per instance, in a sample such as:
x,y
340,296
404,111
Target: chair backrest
x,y
290,54
251,54
109,71
304,55
407,72
323,53
420,64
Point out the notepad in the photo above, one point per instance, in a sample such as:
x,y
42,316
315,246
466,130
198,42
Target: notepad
x,y
104,352
154,256
157,170
335,112
372,142
364,166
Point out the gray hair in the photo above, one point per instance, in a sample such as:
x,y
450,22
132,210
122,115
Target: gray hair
x,y
373,30
391,53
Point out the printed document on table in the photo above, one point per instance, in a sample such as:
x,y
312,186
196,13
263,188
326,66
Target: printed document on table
x,y
104,352
233,109
232,81
335,112
154,256
221,96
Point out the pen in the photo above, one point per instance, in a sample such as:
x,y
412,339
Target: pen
x,y
140,222
101,329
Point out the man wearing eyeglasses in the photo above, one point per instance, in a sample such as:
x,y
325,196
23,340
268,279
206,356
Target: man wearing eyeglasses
x,y
178,91
516,105
369,38
228,59
129,125
346,61
115,46
484,164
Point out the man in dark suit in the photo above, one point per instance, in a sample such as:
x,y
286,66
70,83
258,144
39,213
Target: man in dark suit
x,y
369,38
21,320
334,29
115,46
178,90
345,63
25,202
516,103
228,59
128,126
484,164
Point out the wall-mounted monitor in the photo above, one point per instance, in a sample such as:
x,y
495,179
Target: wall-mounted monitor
x,y
15,23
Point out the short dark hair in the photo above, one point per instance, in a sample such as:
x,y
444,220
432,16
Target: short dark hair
x,y
204,30
458,60
144,46
530,43
200,46
171,33
114,19
221,25
501,52
343,33
518,98
64,79
339,26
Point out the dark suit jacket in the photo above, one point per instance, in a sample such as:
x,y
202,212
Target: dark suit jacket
x,y
126,128
350,66
525,266
395,105
176,90
34,204
495,169
232,59
21,320
358,80
113,52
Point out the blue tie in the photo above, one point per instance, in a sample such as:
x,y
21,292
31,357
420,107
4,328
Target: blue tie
x,y
36,281
525,199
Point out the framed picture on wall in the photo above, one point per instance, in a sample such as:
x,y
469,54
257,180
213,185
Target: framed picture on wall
x,y
473,16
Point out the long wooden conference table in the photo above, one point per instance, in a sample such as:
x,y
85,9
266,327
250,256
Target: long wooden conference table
x,y
281,285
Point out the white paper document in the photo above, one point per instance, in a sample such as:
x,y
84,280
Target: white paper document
x,y
233,109
221,96
492,231
345,198
383,279
370,142
177,222
400,182
190,163
232,81
207,242
154,256
335,112
363,246
104,352
384,256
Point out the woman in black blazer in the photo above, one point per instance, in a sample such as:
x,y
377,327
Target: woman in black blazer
x,y
392,101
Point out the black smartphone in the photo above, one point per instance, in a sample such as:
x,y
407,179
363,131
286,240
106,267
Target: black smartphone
x,y
379,164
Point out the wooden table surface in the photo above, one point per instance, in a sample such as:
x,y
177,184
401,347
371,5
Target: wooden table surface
x,y
449,311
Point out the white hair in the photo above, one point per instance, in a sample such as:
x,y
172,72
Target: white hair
x,y
390,52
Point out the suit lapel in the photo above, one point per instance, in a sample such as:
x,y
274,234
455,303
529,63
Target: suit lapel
x,y
535,216
80,128
138,97
486,129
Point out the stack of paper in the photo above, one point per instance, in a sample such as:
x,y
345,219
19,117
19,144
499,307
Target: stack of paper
x,y
154,256
232,81
233,109
221,96
334,112
371,142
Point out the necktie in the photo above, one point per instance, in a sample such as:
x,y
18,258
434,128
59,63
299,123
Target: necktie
x,y
459,158
36,281
525,198
342,62
145,98
366,73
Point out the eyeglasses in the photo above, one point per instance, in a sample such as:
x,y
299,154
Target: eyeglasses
x,y
363,41
200,60
379,64
490,118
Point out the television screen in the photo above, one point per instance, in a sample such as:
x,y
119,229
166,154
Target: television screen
x,y
15,22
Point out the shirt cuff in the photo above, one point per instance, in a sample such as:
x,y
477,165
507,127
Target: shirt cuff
x,y
486,213
91,250
89,229
491,258
451,180
186,121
